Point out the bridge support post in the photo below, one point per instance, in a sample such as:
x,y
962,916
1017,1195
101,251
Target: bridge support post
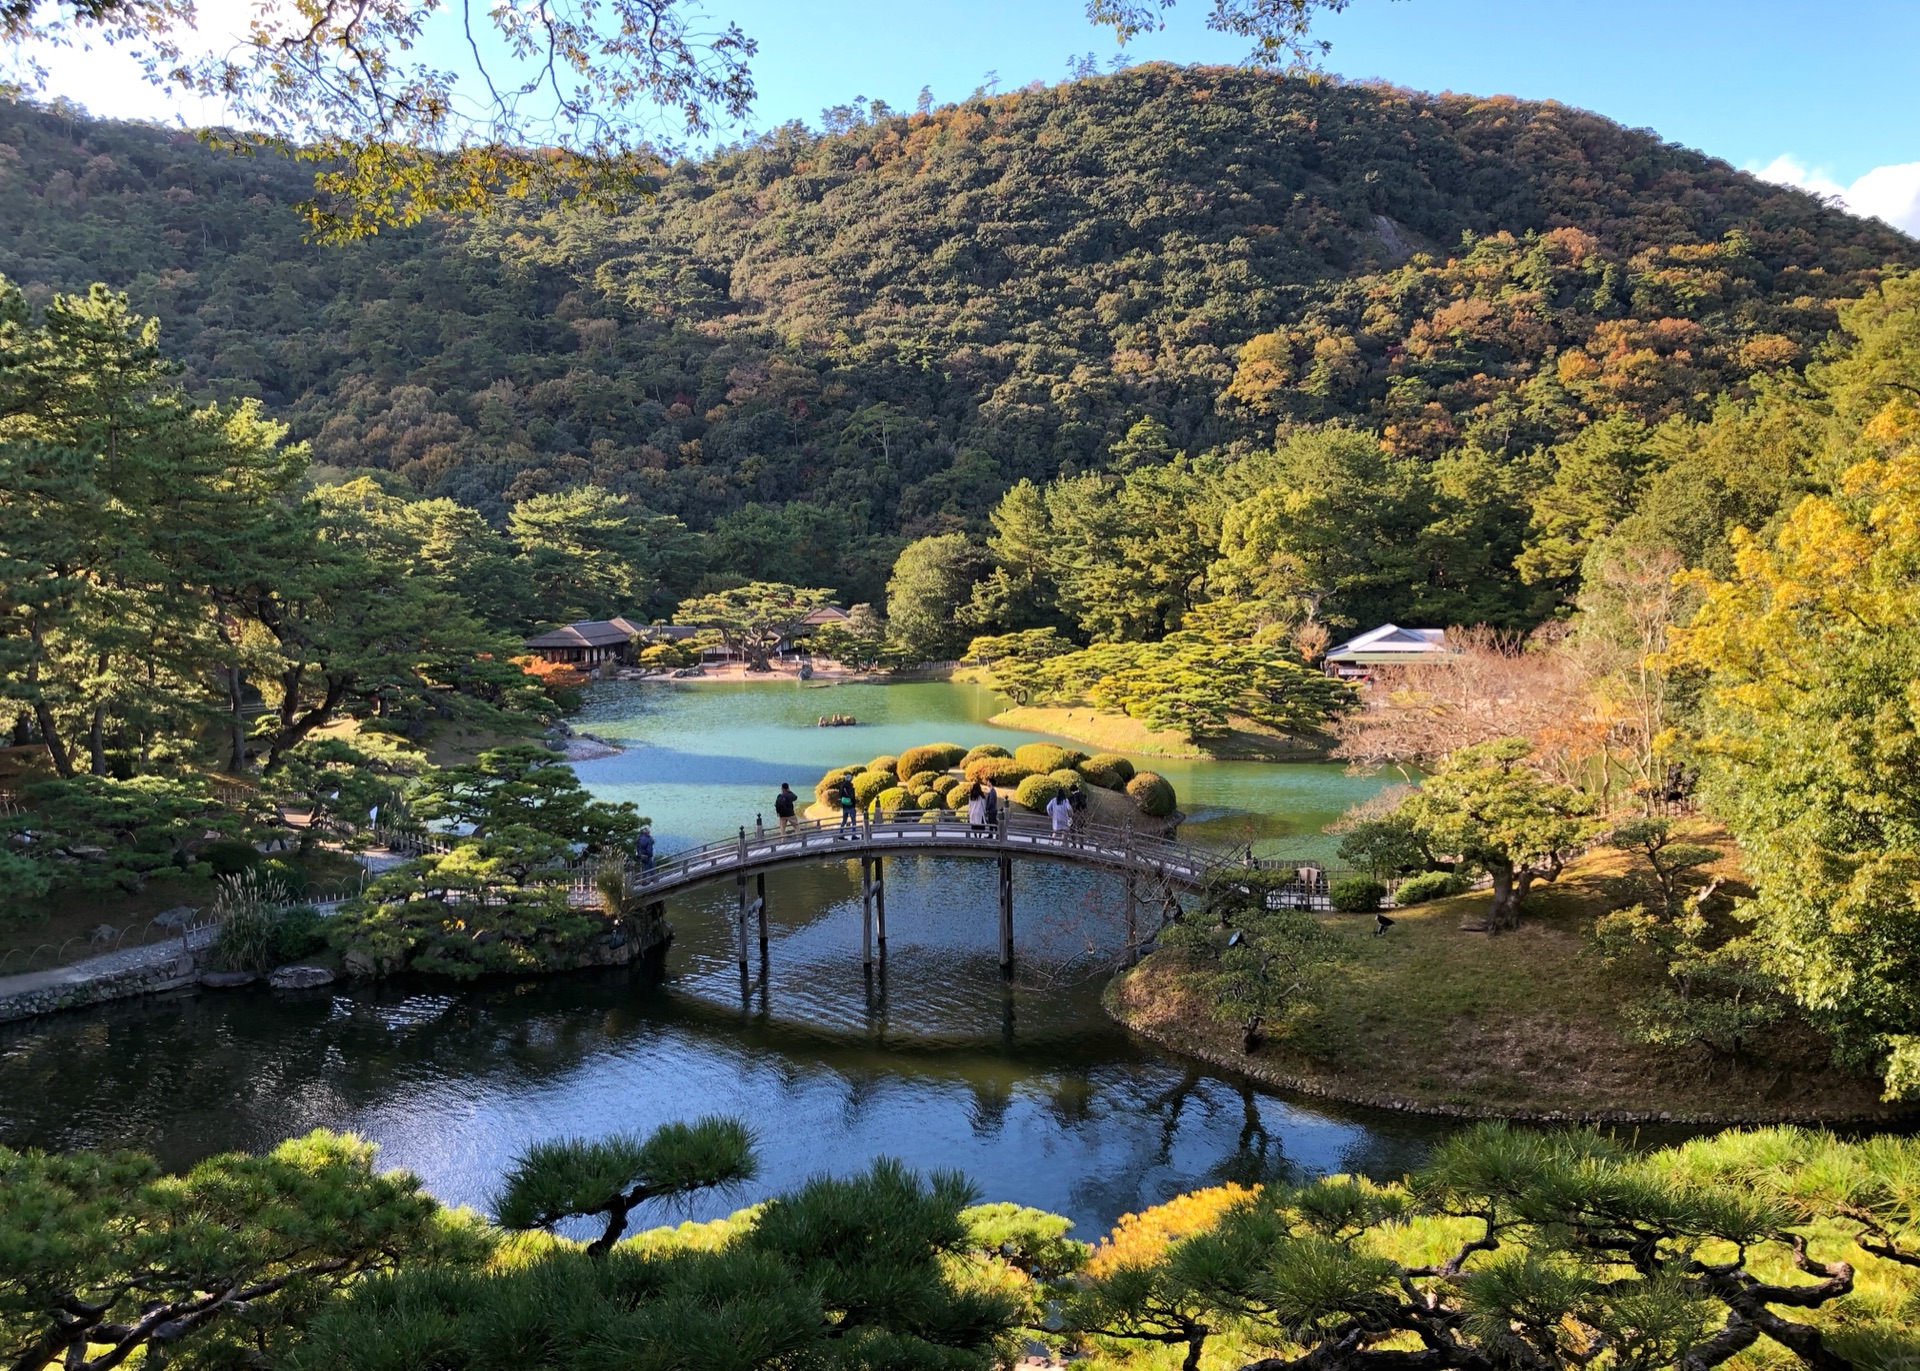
x,y
1133,916
760,894
866,912
740,883
1006,914
880,902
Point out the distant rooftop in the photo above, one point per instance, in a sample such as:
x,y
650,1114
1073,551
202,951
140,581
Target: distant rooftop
x,y
1390,643
590,633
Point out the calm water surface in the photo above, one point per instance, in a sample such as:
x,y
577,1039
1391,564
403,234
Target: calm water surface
x,y
1027,1087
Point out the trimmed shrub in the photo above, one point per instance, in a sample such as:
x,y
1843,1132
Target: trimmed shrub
x,y
984,750
1067,776
1113,762
1356,894
918,781
288,879
868,785
1152,794
930,757
1042,758
883,763
946,783
928,799
229,856
1093,773
893,799
1036,791
1429,885
1002,771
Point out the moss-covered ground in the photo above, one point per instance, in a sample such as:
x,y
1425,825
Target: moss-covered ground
x,y
1525,1023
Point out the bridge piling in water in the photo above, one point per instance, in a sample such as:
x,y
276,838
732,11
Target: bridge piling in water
x,y
740,884
1006,913
760,890
880,901
866,912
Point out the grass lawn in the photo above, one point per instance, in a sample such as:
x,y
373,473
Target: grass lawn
x,y
1107,732
1524,1023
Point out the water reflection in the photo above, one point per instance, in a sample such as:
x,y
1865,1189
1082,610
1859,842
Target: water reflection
x,y
935,1058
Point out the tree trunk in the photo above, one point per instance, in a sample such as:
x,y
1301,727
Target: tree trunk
x,y
236,721
96,740
50,733
1505,912
295,727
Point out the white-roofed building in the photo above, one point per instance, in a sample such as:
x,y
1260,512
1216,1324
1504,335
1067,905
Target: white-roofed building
x,y
1387,645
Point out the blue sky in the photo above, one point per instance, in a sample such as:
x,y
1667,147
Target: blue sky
x,y
1817,92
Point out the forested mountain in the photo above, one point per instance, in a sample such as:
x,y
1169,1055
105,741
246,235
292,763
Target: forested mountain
x,y
818,345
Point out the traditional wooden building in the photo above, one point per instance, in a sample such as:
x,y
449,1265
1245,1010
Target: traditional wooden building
x,y
589,642
1387,645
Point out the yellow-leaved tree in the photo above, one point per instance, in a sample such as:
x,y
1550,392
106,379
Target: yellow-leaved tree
x,y
1811,733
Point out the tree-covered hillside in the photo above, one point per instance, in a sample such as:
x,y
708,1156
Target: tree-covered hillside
x,y
816,346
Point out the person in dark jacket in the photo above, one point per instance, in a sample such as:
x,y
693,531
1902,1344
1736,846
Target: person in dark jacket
x,y
849,815
783,807
643,848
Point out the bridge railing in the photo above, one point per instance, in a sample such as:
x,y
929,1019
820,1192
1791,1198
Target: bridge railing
x,y
1096,844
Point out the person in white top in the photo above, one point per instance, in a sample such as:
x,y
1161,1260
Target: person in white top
x,y
1060,810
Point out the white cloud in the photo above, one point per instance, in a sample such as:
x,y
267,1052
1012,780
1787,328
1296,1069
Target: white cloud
x,y
1890,193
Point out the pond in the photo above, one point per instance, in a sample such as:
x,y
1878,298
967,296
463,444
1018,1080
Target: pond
x,y
1026,1086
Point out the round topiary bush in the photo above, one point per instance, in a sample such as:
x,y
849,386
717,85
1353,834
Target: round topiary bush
x,y
1067,776
984,750
1036,792
1429,885
868,785
918,781
928,799
929,757
893,799
1356,894
1002,771
883,763
1108,770
1042,758
1152,794
229,856
947,783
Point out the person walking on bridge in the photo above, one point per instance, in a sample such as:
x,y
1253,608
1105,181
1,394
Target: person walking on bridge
x,y
977,809
849,815
783,806
1060,811
643,847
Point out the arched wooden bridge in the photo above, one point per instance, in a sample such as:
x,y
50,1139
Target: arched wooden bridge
x,y
1125,850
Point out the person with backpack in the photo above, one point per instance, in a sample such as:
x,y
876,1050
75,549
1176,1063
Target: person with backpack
x,y
1077,798
783,808
849,815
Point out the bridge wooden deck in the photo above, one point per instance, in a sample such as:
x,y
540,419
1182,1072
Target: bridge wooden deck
x,y
870,840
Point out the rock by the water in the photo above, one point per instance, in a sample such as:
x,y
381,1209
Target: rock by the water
x,y
226,980
178,917
299,977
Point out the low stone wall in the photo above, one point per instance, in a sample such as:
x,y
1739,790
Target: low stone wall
x,y
77,986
